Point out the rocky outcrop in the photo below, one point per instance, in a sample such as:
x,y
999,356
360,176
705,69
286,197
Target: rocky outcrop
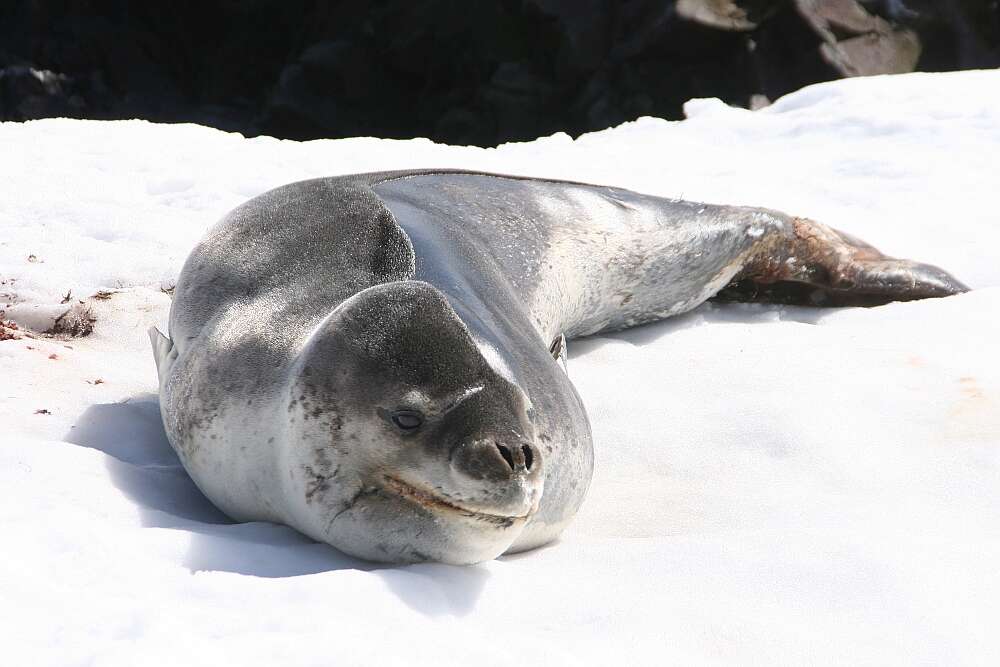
x,y
462,72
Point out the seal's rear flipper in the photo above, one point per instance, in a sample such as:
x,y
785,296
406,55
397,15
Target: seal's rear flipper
x,y
163,352
808,263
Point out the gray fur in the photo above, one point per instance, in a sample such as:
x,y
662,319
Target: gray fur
x,y
313,313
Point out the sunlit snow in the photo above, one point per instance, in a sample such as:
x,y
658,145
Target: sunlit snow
x,y
774,485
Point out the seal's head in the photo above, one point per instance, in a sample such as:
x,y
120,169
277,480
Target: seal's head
x,y
406,445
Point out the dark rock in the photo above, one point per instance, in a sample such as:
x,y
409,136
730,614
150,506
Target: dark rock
x,y
857,43
893,52
27,93
721,14
459,71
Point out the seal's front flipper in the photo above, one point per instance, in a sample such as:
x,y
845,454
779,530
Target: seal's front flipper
x,y
164,352
812,264
558,351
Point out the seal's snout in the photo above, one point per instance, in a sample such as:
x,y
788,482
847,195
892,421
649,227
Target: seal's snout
x,y
501,476
519,459
497,460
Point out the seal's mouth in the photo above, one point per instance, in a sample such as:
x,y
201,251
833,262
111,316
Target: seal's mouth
x,y
435,503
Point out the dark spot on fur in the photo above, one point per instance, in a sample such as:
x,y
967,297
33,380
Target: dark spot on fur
x,y
316,484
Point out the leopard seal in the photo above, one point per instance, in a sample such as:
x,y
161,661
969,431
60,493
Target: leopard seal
x,y
379,360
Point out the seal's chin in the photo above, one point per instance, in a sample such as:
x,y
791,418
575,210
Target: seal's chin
x,y
437,504
393,521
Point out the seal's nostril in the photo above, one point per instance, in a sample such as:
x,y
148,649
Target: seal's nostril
x,y
505,453
529,456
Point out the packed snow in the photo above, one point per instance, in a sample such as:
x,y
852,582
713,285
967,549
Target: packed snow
x,y
774,485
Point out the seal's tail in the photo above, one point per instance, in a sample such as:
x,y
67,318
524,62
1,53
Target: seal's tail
x,y
164,352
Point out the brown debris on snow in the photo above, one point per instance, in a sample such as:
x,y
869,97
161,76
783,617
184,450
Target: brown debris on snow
x,y
76,322
8,297
8,329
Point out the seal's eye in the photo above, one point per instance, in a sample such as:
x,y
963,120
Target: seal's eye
x,y
407,420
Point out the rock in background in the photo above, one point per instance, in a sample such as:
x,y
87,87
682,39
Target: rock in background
x,y
458,71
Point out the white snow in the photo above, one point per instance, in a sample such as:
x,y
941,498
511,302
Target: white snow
x,y
774,485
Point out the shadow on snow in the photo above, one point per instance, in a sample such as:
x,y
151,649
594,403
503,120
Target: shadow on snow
x,y
145,468
706,313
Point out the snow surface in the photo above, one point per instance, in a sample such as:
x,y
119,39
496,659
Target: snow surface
x,y
774,485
